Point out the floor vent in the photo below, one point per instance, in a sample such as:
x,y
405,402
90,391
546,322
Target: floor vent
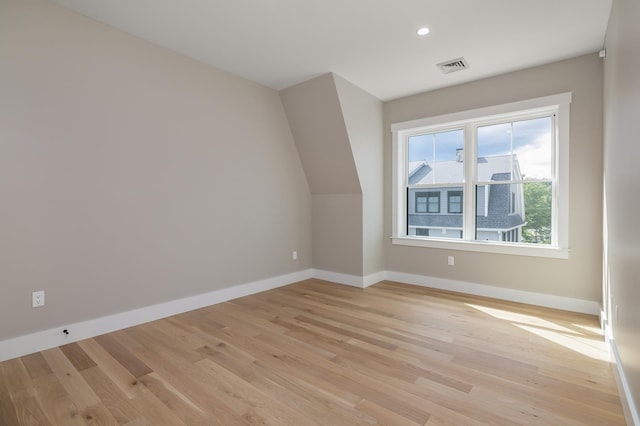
x,y
453,65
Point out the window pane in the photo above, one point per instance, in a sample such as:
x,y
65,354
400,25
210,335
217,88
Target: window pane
x,y
433,202
454,201
532,146
436,158
514,212
515,150
421,202
494,152
496,219
537,202
494,140
428,215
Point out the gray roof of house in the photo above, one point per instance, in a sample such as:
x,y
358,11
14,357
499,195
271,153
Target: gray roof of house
x,y
421,172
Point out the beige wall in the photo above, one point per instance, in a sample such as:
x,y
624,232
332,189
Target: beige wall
x,y
131,175
318,127
580,276
622,179
319,130
363,118
338,131
337,233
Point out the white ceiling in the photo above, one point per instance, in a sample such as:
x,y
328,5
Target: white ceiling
x,y
372,43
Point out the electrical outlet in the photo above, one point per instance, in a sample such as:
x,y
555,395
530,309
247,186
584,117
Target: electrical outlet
x,y
37,299
295,255
450,261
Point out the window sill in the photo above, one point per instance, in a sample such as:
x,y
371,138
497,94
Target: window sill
x,y
484,247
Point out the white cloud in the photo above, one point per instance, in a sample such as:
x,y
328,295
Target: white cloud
x,y
535,158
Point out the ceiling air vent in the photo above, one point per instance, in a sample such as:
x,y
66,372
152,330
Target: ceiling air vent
x,y
453,65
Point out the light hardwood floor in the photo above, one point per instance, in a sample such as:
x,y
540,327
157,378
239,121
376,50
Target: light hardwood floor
x,y
318,353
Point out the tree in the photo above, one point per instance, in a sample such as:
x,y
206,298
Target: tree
x,y
537,202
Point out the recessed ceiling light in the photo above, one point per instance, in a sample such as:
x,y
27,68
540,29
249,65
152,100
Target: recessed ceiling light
x,y
423,31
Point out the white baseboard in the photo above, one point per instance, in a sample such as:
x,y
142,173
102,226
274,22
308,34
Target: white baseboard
x,y
531,298
372,279
46,339
35,342
339,278
350,280
631,414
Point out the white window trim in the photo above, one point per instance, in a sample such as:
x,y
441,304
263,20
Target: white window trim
x,y
559,247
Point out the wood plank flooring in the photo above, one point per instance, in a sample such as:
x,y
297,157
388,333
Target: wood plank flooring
x,y
317,353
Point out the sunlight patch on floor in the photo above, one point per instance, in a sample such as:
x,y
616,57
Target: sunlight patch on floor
x,y
584,342
521,318
590,329
590,347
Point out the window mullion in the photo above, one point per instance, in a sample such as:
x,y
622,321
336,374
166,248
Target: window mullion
x,y
469,207
555,217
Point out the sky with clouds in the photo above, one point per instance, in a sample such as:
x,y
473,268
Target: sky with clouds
x,y
530,140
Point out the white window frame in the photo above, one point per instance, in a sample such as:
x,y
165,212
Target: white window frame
x,y
558,105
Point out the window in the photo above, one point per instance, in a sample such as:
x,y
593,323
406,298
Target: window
x,y
508,164
423,232
454,201
421,202
427,202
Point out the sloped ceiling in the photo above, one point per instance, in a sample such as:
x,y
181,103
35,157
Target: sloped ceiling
x,y
321,136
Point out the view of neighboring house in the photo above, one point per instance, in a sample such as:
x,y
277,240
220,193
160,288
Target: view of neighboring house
x,y
437,211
